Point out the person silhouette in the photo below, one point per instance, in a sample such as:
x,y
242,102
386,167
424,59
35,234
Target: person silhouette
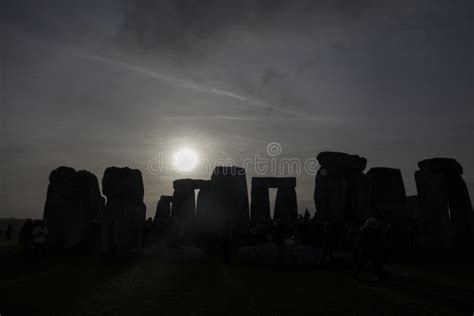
x,y
40,235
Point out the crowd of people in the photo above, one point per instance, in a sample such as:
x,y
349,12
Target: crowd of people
x,y
369,240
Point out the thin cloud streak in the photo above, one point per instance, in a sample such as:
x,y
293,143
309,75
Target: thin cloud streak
x,y
184,83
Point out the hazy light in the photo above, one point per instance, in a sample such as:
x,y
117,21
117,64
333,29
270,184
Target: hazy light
x,y
185,160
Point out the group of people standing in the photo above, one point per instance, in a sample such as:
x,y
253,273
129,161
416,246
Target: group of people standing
x,y
33,237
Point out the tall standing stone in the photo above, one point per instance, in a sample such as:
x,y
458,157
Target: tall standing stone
x,y
387,198
163,208
124,214
444,202
386,191
72,209
229,198
203,206
340,192
286,205
184,203
260,203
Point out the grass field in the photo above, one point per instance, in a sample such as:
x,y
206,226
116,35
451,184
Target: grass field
x,y
89,286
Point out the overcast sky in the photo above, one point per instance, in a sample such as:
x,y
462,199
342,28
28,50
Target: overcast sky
x,y
91,84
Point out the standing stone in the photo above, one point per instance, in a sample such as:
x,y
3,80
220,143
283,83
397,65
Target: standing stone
x,y
286,205
229,198
184,206
341,161
331,194
340,193
260,203
124,214
386,191
72,209
163,208
358,197
441,165
203,207
433,206
460,210
445,203
387,198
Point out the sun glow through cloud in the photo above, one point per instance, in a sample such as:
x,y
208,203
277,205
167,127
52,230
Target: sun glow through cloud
x,y
185,160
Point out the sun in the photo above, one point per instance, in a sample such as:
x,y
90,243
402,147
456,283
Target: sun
x,y
185,160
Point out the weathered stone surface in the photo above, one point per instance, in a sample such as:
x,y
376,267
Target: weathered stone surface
x,y
442,165
124,213
341,190
229,198
163,208
286,205
73,207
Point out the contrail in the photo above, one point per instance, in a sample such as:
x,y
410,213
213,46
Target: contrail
x,y
195,86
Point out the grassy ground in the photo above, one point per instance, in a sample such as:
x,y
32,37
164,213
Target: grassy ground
x,y
89,286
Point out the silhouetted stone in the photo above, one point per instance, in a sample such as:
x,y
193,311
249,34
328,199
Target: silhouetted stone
x,y
460,209
341,190
229,198
433,203
388,201
183,199
331,195
273,182
260,203
123,182
72,209
163,208
286,205
124,213
442,165
184,206
341,161
444,203
358,197
387,191
204,206
412,206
